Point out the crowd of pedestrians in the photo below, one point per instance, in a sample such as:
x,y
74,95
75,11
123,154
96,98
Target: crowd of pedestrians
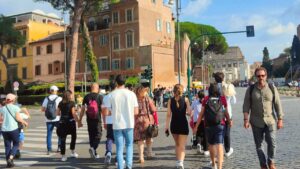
x,y
129,114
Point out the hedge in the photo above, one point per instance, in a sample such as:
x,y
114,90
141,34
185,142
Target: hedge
x,y
31,99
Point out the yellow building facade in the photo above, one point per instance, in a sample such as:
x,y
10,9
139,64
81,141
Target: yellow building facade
x,y
34,26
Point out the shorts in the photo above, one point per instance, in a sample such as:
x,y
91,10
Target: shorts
x,y
21,137
215,134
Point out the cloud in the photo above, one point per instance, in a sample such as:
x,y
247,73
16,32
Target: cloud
x,y
280,29
195,7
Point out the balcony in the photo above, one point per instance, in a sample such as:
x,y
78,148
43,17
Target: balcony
x,y
98,26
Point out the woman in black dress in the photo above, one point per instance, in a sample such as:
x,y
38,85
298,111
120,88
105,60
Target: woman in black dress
x,y
178,108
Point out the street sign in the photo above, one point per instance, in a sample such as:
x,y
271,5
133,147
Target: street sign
x,y
16,84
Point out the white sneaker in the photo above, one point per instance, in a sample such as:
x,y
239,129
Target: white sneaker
x,y
199,148
206,153
92,153
97,156
107,158
117,163
64,158
74,155
229,152
214,166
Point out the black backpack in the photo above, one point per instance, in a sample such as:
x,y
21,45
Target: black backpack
x,y
50,111
214,113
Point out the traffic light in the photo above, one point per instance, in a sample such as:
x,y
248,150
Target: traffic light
x,y
250,31
150,75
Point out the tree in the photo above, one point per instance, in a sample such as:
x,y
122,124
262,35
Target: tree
x,y
9,37
266,62
77,8
295,50
215,43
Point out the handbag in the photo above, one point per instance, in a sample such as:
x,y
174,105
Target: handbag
x,y
20,125
152,129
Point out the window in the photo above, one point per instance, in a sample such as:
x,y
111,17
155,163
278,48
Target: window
x,y
102,64
129,15
153,1
49,49
168,27
77,66
38,50
38,70
229,65
24,73
116,17
14,53
103,40
24,33
235,64
158,25
62,67
56,67
224,65
13,70
116,41
8,54
129,63
24,53
50,69
116,64
62,47
129,39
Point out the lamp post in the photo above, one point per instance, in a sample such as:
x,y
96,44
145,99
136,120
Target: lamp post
x,y
178,8
291,66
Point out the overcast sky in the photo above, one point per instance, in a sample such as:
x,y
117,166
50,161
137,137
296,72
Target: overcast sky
x,y
275,21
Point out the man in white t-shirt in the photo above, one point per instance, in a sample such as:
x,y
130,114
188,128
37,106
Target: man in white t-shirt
x,y
49,105
123,105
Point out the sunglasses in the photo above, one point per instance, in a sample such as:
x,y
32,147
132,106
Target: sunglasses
x,y
260,76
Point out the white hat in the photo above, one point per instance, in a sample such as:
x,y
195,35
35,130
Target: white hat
x,y
54,88
10,97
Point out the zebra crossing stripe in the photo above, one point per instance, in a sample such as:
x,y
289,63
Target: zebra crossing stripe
x,y
20,163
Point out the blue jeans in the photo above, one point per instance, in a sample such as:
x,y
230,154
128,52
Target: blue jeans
x,y
11,137
50,127
109,138
269,133
119,136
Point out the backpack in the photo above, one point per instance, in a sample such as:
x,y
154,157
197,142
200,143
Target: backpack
x,y
93,109
214,113
50,111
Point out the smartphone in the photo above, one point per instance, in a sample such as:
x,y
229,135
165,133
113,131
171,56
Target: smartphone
x,y
167,133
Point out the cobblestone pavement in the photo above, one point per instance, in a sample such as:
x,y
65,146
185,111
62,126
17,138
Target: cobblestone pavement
x,y
244,156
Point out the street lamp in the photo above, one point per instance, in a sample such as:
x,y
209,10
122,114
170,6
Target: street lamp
x,y
178,8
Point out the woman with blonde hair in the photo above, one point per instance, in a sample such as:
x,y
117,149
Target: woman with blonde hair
x,y
178,108
142,120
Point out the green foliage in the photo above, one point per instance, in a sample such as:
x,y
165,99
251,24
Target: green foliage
x,y
295,50
31,99
266,62
134,80
216,43
281,71
89,54
9,35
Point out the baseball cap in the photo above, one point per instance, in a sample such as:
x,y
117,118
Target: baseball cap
x,y
54,88
10,97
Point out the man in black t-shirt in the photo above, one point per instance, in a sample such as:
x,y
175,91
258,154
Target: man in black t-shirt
x,y
92,107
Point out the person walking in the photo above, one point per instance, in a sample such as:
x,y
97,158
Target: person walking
x,y
260,101
10,114
178,108
214,111
143,119
92,107
123,104
200,141
227,90
24,113
107,123
49,107
67,124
